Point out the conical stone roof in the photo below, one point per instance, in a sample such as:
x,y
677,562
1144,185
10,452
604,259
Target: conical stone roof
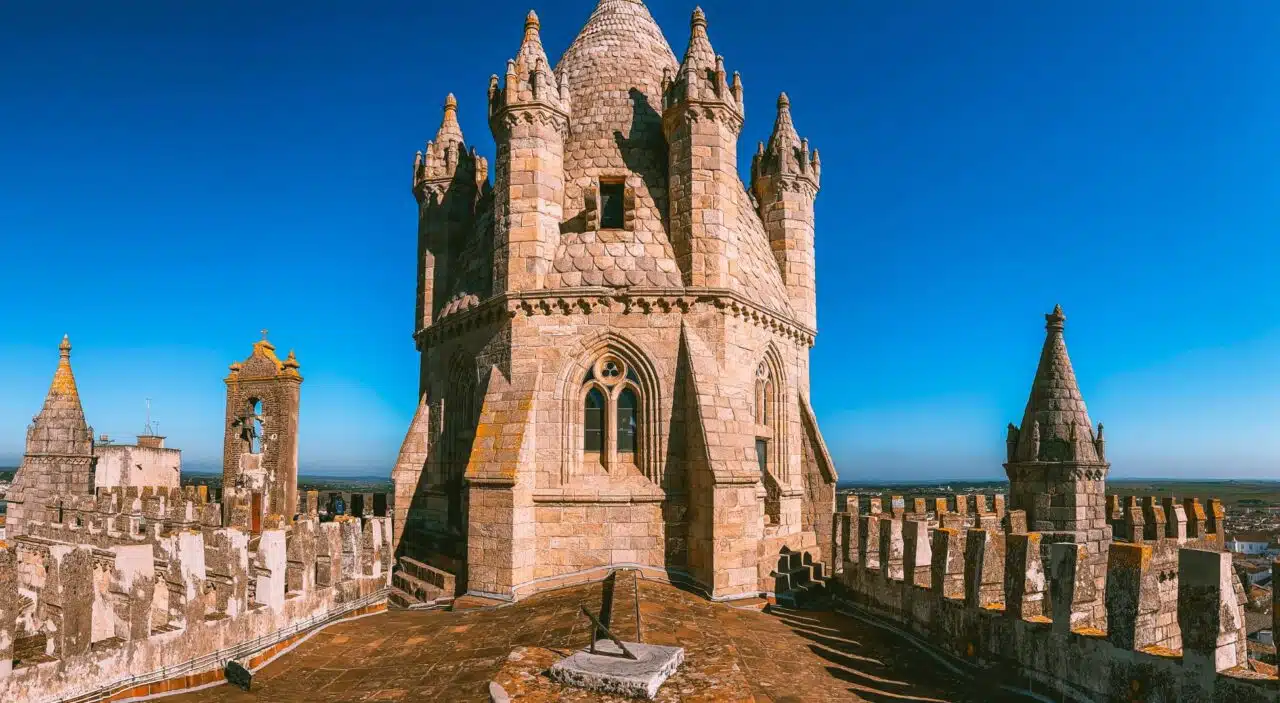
x,y
1055,424
60,428
58,462
614,70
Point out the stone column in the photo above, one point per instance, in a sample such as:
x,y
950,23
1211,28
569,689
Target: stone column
x,y
917,554
329,555
1154,521
1132,599
1072,588
300,575
1024,580
1209,612
1176,516
133,583
983,569
891,548
848,537
1195,518
67,598
947,568
270,568
8,608
869,541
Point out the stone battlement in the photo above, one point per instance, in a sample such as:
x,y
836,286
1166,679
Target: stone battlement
x,y
90,599
1173,608
1143,519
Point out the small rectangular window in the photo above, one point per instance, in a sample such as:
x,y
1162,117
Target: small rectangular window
x,y
762,454
612,209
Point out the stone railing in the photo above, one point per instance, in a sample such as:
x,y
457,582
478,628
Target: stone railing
x,y
1006,601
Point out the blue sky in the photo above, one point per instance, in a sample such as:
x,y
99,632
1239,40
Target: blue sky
x,y
178,176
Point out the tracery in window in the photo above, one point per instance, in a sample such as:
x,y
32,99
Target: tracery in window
x,y
611,417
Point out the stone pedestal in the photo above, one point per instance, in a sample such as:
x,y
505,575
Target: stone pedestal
x,y
607,671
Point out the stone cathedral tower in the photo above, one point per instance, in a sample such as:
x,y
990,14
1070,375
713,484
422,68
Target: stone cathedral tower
x,y
1057,464
615,332
59,460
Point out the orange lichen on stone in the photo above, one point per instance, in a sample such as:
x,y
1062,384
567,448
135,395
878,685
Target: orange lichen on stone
x,y
1130,555
1089,632
1161,651
64,382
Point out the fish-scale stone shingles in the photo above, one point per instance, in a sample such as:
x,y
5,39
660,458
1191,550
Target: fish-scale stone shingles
x,y
757,273
614,71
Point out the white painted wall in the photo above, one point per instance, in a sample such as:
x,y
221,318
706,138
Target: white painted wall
x,y
131,465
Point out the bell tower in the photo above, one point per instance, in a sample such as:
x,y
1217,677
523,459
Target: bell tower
x,y
260,440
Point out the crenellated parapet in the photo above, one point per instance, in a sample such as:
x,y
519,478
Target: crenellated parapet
x,y
988,595
77,615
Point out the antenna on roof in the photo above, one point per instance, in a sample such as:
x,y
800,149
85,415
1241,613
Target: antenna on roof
x,y
148,430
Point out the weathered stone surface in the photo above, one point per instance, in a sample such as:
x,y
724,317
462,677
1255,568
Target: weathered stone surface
x,y
607,671
618,274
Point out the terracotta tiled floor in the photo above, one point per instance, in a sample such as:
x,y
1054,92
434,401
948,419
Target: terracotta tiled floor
x,y
730,655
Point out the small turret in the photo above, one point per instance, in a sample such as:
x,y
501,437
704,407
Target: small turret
x,y
529,117
702,117
446,180
785,177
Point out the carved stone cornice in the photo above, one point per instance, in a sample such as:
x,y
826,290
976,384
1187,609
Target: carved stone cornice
x,y
584,301
1056,471
507,117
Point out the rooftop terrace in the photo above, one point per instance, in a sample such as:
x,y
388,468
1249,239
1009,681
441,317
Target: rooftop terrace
x,y
731,655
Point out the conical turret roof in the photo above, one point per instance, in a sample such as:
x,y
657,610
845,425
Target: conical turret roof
x,y
62,403
614,72
784,131
1056,424
450,131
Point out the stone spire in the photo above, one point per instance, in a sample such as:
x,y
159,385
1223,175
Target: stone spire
x,y
529,78
1055,424
450,131
61,411
699,55
785,179
786,153
58,461
435,167
701,76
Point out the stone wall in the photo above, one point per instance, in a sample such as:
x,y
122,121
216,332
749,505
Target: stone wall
x,y
135,465
1014,606
100,605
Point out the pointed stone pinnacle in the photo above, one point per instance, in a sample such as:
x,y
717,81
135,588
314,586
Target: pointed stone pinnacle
x,y
531,21
699,18
783,101
450,102
1055,319
64,349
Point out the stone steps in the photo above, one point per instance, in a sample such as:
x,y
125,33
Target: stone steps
x,y
416,587
798,580
399,599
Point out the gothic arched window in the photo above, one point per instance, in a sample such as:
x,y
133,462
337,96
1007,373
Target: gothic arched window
x,y
769,439
627,407
611,417
764,389
593,422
